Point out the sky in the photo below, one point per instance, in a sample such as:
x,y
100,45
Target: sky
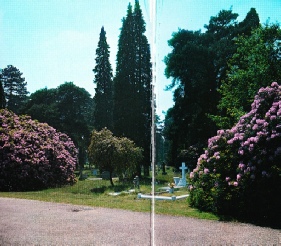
x,y
52,42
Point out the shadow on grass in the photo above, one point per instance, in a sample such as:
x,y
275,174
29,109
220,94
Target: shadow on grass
x,y
120,187
99,189
115,188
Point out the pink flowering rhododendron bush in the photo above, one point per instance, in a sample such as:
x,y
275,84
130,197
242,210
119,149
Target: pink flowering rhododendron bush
x,y
33,155
240,172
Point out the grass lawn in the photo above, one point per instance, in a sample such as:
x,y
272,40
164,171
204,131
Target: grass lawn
x,y
95,193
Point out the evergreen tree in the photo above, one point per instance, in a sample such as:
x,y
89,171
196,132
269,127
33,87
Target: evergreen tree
x,y
132,84
103,113
14,88
143,78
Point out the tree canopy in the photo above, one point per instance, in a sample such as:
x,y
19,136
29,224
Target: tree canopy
x,y
112,154
14,86
198,63
67,108
255,63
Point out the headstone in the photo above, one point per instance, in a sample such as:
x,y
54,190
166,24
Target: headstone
x,y
105,175
182,181
95,172
136,182
176,180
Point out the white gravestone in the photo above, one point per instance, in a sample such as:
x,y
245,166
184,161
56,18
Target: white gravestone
x,y
176,180
182,181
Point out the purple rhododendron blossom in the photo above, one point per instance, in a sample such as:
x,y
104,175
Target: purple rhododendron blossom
x,y
39,156
247,156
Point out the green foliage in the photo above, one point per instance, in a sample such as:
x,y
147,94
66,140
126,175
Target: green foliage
x,y
42,105
67,108
255,63
190,65
112,154
132,84
103,113
240,174
198,65
14,86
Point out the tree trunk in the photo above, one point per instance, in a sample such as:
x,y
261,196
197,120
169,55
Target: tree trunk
x,y
139,170
110,178
146,171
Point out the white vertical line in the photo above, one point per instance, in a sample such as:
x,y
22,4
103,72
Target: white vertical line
x,y
153,59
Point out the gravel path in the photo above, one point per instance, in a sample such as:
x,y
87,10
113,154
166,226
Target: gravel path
x,y
26,222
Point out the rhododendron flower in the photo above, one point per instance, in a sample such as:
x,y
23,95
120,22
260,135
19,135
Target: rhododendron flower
x,y
245,161
238,177
40,156
191,175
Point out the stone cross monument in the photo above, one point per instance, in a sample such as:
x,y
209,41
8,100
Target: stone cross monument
x,y
182,181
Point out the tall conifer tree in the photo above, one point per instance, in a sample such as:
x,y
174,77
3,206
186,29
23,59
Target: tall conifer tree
x,y
103,113
132,83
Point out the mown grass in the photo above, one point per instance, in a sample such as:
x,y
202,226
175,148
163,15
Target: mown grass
x,y
96,193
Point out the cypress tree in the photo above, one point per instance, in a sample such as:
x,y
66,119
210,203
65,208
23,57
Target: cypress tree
x,y
143,78
132,84
123,81
103,98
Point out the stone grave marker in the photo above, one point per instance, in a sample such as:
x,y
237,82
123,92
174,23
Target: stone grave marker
x,y
182,181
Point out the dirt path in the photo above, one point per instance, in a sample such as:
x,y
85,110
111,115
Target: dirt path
x,y
26,222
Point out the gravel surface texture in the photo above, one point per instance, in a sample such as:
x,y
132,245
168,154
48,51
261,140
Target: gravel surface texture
x,y
26,222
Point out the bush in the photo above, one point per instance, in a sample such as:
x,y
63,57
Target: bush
x,y
113,154
240,172
33,155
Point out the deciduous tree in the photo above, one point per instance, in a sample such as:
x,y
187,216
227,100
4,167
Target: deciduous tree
x,y
198,65
112,154
14,88
256,62
69,109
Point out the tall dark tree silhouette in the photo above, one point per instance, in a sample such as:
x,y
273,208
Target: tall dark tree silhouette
x,y
198,64
132,84
14,88
103,113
